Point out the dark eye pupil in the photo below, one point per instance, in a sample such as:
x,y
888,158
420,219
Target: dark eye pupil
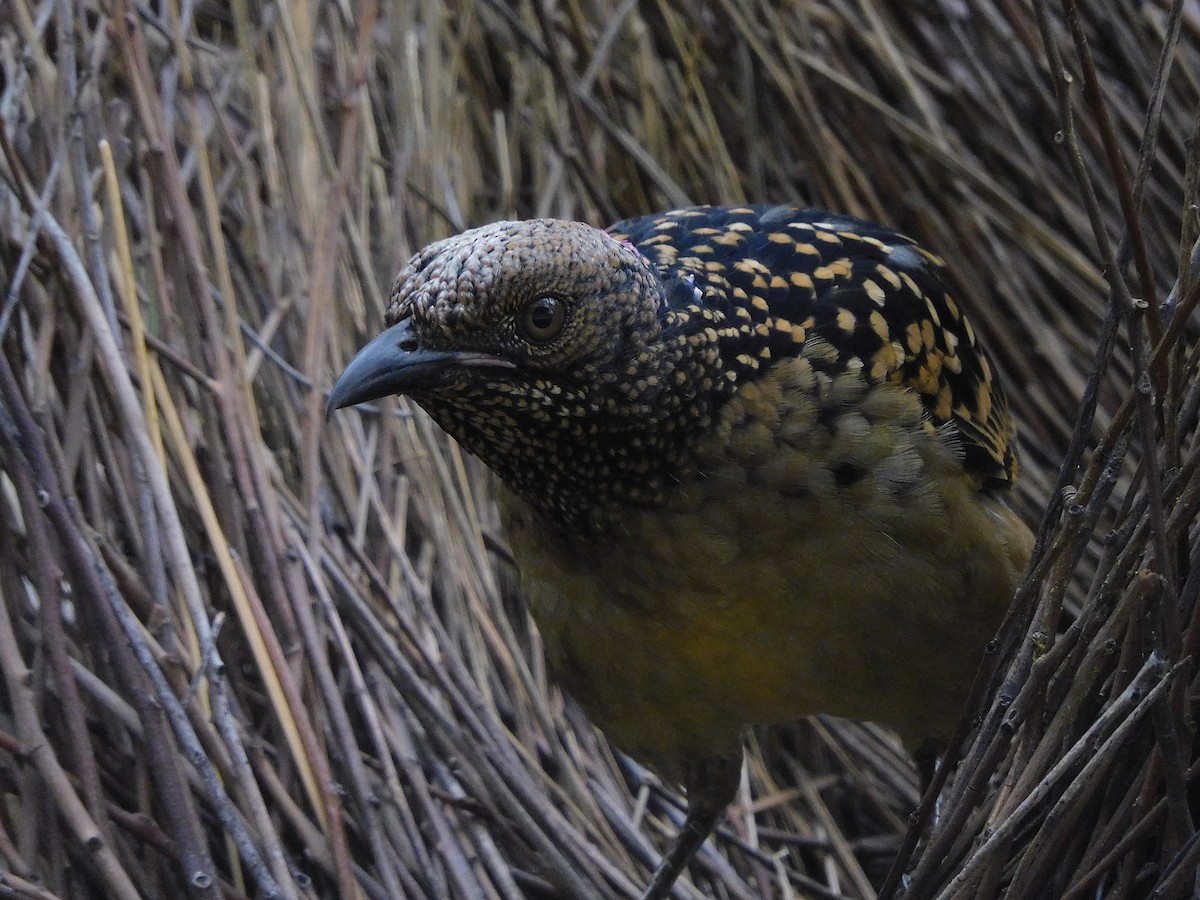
x,y
541,316
543,319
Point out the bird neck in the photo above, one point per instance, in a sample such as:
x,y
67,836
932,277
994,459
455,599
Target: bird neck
x,y
583,457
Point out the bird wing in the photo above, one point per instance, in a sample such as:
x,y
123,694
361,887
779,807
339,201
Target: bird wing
x,y
876,297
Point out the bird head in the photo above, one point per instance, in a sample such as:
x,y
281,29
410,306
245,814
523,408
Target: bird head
x,y
547,348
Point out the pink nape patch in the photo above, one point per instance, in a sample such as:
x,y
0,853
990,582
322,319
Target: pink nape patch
x,y
628,245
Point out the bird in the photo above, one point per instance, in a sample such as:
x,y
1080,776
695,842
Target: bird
x,y
753,464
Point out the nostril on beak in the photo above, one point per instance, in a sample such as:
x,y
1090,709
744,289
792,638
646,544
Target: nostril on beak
x,y
408,345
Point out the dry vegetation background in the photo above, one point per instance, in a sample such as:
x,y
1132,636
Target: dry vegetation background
x,y
249,654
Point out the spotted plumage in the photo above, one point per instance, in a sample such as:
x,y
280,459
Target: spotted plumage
x,y
770,278
667,318
751,462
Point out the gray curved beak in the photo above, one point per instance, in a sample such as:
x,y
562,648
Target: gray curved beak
x,y
394,362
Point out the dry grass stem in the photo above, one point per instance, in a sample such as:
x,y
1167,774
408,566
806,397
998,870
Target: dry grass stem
x,y
247,653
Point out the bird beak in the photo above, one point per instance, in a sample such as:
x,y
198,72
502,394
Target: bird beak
x,y
395,363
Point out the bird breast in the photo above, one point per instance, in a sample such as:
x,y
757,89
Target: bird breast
x,y
828,556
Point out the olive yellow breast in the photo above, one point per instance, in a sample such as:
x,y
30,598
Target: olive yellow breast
x,y
828,555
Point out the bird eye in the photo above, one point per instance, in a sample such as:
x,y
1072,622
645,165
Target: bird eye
x,y
543,319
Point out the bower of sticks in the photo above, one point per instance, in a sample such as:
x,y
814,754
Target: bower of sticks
x,y
247,653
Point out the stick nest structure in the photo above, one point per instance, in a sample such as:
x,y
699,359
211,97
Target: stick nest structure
x,y
249,654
